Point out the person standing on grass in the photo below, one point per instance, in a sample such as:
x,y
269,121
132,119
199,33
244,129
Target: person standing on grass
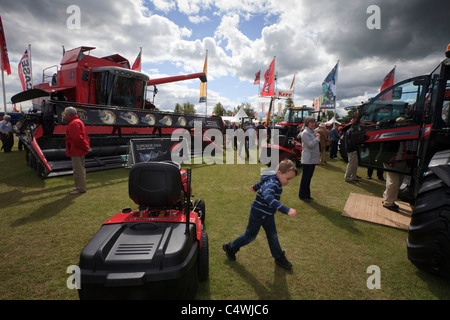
x,y
310,157
262,213
77,146
334,137
6,133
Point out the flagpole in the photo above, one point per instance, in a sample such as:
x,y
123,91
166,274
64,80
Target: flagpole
x,y
206,86
31,65
276,83
3,85
335,101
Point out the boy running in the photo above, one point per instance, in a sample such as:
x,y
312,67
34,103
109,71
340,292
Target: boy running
x,y
262,213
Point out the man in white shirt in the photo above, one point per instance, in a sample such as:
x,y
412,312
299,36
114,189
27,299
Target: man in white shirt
x,y
6,132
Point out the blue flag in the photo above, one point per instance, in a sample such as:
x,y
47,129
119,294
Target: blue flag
x,y
329,89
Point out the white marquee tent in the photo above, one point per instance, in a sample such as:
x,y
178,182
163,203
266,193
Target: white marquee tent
x,y
237,118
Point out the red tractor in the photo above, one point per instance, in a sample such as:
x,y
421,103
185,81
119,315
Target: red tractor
x,y
407,131
111,101
288,146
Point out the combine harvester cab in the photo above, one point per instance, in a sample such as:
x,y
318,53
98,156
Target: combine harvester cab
x,y
111,101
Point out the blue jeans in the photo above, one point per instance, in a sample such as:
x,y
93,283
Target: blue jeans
x,y
305,192
255,221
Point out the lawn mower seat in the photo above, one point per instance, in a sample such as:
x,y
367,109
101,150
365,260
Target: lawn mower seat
x,y
155,184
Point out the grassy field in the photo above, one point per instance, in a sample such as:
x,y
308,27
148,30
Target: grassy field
x,y
44,229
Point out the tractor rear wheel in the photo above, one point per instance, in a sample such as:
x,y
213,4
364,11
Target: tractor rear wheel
x,y
428,240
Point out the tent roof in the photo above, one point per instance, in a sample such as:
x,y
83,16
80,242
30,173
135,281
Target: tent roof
x,y
332,120
241,113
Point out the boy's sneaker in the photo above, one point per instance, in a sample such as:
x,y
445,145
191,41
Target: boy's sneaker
x,y
283,262
231,255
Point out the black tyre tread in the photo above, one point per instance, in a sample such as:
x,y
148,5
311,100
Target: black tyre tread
x,y
203,259
428,240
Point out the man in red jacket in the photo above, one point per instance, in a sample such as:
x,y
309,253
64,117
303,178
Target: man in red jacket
x,y
77,146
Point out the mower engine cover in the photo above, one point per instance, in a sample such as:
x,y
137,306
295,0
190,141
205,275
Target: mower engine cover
x,y
140,260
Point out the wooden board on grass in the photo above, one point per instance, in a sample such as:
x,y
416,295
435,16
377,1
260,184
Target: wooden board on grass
x,y
369,208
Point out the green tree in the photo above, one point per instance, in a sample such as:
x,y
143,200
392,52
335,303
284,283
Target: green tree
x,y
178,108
187,108
219,110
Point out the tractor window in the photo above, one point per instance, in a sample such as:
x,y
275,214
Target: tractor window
x,y
446,105
287,115
390,120
394,108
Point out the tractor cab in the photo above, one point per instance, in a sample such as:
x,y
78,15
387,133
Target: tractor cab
x,y
391,126
292,118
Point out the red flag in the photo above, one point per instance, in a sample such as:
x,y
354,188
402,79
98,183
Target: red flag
x,y
257,77
388,81
25,71
4,51
14,108
137,63
268,88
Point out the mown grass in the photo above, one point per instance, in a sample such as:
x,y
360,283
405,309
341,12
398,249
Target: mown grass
x,y
44,229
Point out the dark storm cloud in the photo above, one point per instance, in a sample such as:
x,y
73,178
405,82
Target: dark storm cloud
x,y
409,29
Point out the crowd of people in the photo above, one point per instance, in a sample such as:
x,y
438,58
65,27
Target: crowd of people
x,y
315,139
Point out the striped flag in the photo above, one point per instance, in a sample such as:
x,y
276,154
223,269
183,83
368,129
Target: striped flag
x,y
203,87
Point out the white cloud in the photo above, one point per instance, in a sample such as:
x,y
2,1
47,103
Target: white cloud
x,y
307,38
198,19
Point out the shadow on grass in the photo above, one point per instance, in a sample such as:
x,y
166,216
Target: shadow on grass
x,y
335,217
51,201
277,291
48,210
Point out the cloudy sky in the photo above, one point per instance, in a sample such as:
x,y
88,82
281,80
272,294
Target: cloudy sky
x,y
242,37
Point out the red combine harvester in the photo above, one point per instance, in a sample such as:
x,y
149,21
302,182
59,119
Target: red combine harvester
x,y
111,101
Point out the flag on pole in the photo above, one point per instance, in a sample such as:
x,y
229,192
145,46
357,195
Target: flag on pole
x,y
269,76
137,63
4,51
25,74
257,77
388,81
329,89
203,87
292,84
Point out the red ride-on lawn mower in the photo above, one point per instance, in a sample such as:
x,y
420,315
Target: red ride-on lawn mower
x,y
157,252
